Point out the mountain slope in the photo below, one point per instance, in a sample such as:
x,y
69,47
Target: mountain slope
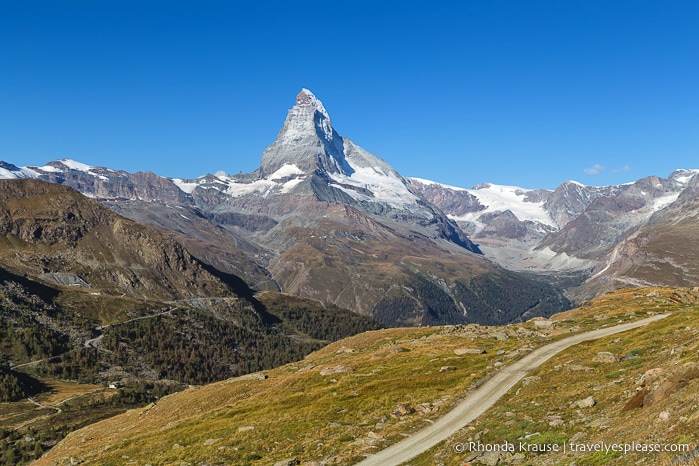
x,y
89,297
369,391
71,265
47,229
660,251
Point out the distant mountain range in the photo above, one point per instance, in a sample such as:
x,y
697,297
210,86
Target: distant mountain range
x,y
635,234
323,218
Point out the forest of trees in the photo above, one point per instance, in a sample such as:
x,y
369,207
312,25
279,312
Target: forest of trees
x,y
194,347
203,341
486,301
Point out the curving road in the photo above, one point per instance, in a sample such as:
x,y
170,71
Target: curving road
x,y
485,396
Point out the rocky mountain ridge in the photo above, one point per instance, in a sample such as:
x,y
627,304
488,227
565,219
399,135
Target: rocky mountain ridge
x,y
326,219
51,229
313,183
575,228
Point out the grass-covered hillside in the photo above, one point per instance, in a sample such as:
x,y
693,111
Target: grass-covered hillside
x,y
369,391
60,348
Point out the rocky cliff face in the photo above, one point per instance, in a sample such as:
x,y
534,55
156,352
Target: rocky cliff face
x,y
104,183
659,251
307,141
49,229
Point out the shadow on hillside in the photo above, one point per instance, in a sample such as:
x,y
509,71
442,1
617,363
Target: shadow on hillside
x,y
46,293
240,288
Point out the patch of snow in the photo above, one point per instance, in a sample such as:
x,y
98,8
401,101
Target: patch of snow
x,y
434,183
263,187
186,186
291,184
285,171
22,172
498,198
384,186
49,169
664,201
72,164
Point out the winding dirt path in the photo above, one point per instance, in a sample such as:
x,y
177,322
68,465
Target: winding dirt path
x,y
481,399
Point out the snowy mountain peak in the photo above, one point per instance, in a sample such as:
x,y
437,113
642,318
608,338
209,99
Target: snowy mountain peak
x,y
307,117
307,140
307,99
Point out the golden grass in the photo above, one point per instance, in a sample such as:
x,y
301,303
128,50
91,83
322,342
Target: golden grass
x,y
296,412
47,404
576,374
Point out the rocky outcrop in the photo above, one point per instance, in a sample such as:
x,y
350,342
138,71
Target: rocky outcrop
x,y
80,237
104,183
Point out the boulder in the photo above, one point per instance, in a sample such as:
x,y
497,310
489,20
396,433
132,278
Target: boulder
x,y
288,462
588,402
462,351
531,379
335,370
606,356
545,323
401,410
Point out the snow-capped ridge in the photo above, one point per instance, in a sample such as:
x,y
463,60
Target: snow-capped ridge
x,y
492,198
306,98
281,181
683,176
9,171
75,165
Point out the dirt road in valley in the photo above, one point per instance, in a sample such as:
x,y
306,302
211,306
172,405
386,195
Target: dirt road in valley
x,y
481,399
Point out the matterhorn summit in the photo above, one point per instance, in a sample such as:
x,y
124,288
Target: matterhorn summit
x,y
334,168
307,140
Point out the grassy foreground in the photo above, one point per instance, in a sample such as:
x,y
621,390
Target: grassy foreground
x,y
368,391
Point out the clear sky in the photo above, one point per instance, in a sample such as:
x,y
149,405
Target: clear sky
x,y
527,93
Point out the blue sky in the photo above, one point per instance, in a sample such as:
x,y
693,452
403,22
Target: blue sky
x,y
462,92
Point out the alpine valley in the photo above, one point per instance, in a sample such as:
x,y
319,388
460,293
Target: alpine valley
x,y
151,284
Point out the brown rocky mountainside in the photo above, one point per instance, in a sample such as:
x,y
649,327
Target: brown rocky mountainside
x,y
661,251
55,234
